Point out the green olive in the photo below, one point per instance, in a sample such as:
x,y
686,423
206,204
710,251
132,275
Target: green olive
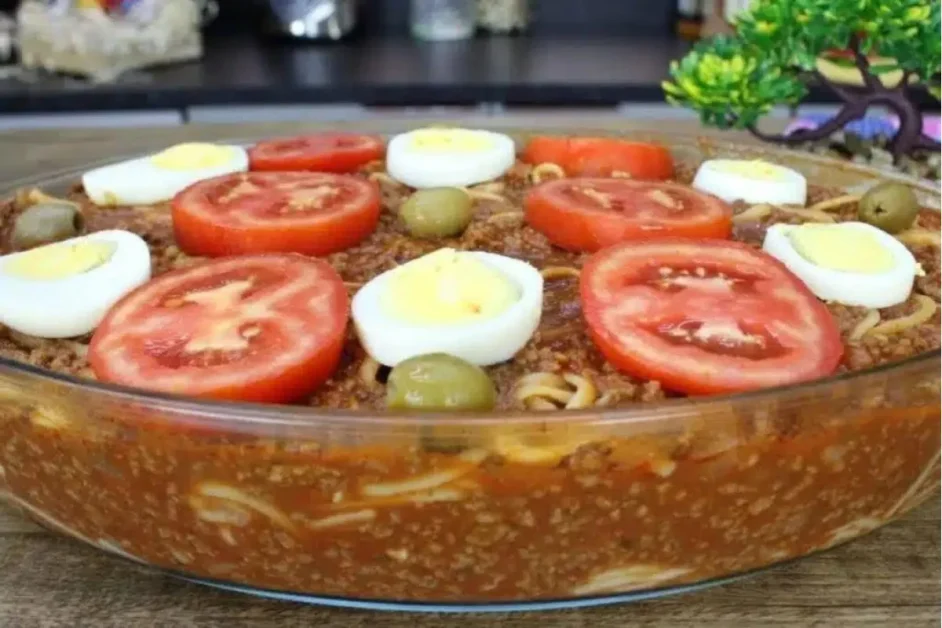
x,y
439,381
890,206
45,223
437,212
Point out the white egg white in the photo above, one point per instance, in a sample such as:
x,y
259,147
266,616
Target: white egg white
x,y
789,188
872,290
491,341
73,306
431,168
142,182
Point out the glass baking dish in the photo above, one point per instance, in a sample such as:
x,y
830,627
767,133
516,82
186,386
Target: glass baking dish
x,y
486,512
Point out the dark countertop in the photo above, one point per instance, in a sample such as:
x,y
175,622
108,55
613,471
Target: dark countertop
x,y
242,69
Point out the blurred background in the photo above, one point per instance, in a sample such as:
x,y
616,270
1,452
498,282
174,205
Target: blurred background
x,y
170,62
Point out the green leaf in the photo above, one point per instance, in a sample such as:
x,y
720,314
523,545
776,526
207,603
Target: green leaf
x,y
879,69
733,81
730,84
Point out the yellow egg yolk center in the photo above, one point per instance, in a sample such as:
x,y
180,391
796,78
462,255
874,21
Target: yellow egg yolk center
x,y
59,261
192,156
756,169
445,287
450,140
841,247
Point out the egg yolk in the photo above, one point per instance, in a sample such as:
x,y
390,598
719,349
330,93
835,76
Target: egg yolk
x,y
447,286
757,169
450,140
192,156
839,247
59,261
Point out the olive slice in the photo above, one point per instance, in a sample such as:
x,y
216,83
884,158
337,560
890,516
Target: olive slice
x,y
437,212
890,206
439,381
45,223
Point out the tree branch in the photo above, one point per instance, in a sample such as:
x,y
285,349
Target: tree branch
x,y
927,143
863,64
838,91
852,111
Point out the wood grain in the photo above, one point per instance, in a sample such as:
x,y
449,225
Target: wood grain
x,y
889,578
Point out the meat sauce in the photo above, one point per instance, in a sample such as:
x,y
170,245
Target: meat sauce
x,y
458,512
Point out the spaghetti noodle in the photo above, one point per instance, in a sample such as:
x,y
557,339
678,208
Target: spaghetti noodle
x,y
546,171
868,322
925,309
560,272
835,203
919,237
548,391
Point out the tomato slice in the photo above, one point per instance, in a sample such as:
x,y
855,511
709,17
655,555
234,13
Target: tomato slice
x,y
601,157
590,214
266,328
313,213
321,152
706,316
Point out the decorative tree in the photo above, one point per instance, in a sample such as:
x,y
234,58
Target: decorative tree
x,y
732,81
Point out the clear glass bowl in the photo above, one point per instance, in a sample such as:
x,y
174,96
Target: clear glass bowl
x,y
488,512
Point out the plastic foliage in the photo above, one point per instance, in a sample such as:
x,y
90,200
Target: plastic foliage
x,y
733,81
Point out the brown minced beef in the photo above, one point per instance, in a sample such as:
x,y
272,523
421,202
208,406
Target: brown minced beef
x,y
476,515
560,345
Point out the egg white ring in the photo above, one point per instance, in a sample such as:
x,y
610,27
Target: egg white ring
x,y
126,182
485,342
424,168
735,186
871,290
74,306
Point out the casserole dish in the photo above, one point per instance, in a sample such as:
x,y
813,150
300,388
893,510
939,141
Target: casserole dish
x,y
477,511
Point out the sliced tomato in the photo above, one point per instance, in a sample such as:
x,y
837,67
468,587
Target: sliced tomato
x,y
590,214
708,316
321,152
601,157
265,328
313,213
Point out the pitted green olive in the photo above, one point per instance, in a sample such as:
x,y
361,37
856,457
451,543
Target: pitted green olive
x,y
890,206
45,223
439,381
437,212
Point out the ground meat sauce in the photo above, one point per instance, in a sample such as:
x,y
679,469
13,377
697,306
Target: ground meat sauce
x,y
438,513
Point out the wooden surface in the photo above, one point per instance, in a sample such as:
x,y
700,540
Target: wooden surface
x,y
889,578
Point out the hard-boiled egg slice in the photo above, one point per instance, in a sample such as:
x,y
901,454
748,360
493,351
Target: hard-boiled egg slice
x,y
751,181
441,157
158,178
850,262
64,289
477,306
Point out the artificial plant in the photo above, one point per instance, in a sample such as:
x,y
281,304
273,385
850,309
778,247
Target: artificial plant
x,y
732,81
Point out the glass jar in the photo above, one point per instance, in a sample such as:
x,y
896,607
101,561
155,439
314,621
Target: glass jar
x,y
443,20
503,16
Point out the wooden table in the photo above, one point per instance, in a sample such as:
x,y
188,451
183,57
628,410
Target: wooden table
x,y
889,578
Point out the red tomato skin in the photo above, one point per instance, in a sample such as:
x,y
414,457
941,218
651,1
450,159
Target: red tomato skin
x,y
291,386
286,386
830,348
324,152
200,236
580,231
601,156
